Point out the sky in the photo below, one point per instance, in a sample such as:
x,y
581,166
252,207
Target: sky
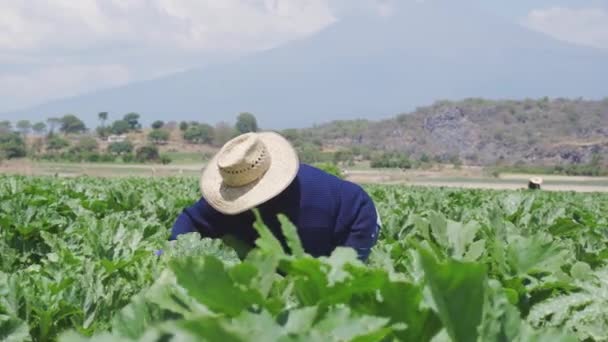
x,y
52,49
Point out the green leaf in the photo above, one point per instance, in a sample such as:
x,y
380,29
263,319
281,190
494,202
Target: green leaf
x,y
457,290
475,251
535,253
133,319
564,227
340,324
13,329
291,236
460,236
439,228
267,242
581,271
300,321
210,284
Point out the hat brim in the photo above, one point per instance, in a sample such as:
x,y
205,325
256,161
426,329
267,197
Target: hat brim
x,y
536,180
282,171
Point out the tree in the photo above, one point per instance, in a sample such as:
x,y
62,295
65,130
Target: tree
x,y
120,148
53,122
199,134
158,136
24,126
147,153
222,133
133,120
165,159
5,126
39,128
246,122
70,123
183,126
103,117
56,143
103,131
120,127
11,145
158,124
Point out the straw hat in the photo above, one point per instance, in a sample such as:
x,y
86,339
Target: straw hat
x,y
536,180
248,171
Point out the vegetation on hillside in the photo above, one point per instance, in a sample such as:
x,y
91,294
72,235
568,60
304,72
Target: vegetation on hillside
x,y
560,133
549,135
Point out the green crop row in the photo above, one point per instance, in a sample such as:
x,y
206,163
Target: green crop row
x,y
77,263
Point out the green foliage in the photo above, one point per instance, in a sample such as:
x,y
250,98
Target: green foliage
x,y
103,117
158,124
133,120
147,153
78,264
391,160
158,136
11,145
199,134
183,126
71,124
86,144
5,126
120,148
246,122
56,142
120,127
39,127
24,126
165,159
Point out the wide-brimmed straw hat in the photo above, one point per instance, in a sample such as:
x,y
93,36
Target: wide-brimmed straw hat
x,y
248,171
536,180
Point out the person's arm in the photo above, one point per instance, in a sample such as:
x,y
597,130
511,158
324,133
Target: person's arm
x,y
190,220
364,225
183,225
193,219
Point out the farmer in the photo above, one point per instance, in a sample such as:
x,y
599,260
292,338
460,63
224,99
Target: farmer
x,y
534,183
262,170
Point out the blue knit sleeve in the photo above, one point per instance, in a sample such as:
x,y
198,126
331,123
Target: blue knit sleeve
x,y
191,219
364,226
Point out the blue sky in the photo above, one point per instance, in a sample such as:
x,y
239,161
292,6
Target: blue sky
x,y
52,49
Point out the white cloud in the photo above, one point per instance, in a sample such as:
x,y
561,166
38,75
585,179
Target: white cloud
x,y
181,24
59,47
585,26
18,89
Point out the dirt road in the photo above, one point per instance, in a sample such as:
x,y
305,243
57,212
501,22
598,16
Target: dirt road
x,y
461,178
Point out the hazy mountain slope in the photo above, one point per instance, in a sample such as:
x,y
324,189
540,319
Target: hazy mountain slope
x,y
365,66
545,131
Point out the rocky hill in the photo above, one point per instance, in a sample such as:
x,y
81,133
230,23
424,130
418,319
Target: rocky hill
x,y
483,132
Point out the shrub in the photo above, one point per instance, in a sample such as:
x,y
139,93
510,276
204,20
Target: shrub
x,y
147,153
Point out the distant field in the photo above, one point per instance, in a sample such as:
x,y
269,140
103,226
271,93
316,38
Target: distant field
x,y
469,177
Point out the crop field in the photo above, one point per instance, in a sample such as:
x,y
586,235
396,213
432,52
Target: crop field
x,y
78,263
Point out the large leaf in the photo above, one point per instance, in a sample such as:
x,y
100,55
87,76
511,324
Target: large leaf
x,y
13,329
458,292
207,281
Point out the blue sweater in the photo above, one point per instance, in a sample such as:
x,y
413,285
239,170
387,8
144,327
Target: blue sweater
x,y
327,211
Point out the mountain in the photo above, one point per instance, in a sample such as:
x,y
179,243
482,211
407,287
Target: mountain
x,y
479,132
364,66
